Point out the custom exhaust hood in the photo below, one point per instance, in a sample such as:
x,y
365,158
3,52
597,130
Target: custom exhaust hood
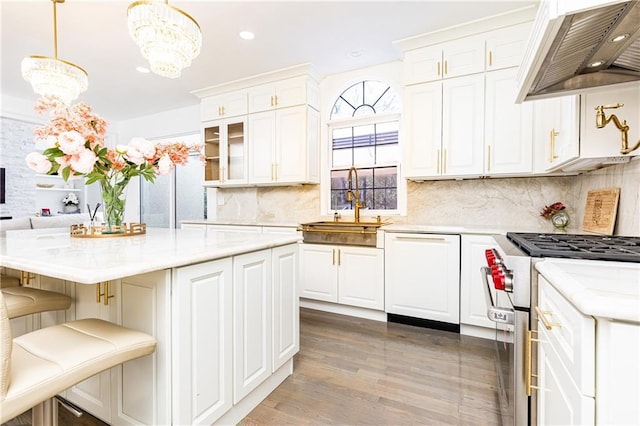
x,y
580,44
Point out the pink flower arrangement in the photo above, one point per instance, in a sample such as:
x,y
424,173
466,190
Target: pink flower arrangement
x,y
75,140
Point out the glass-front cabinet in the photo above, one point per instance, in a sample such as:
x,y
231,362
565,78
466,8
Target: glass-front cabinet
x,y
225,151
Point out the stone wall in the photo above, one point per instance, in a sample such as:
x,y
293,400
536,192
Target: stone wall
x,y
16,141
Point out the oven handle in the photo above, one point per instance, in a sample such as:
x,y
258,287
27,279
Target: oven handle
x,y
495,313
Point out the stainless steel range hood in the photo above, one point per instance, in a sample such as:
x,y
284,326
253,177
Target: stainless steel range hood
x,y
570,36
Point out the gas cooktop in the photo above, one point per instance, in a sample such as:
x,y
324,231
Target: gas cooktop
x,y
575,246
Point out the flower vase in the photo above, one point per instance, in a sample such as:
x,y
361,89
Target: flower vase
x,y
114,191
560,221
70,208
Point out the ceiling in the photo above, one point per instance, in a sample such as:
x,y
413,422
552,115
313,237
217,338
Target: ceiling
x,y
94,35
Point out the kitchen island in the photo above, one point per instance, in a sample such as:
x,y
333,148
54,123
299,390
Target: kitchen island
x,y
223,307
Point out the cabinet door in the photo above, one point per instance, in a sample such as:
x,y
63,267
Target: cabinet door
x,y
223,106
423,129
202,344
290,162
140,394
463,125
279,94
252,321
473,307
505,47
508,126
225,151
422,276
556,131
93,394
422,65
559,401
463,57
262,140
361,277
318,273
286,309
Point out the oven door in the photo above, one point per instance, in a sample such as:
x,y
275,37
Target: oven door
x,y
510,345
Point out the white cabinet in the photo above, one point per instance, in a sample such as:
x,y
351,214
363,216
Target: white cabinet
x,y
343,274
505,46
282,94
225,151
202,389
284,146
422,276
451,59
252,321
473,306
445,128
286,307
226,105
508,126
556,132
566,361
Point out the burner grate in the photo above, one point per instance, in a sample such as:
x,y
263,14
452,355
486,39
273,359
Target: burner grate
x,y
576,246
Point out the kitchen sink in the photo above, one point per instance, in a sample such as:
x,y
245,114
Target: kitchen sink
x,y
335,232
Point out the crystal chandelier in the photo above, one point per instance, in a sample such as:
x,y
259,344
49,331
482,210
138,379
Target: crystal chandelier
x,y
168,37
53,76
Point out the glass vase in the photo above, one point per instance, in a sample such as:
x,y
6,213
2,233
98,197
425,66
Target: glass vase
x,y
560,221
114,191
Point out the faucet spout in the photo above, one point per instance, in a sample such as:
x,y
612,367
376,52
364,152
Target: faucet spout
x,y
351,194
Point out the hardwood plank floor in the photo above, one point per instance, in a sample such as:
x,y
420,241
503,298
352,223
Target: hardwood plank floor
x,y
352,371
356,371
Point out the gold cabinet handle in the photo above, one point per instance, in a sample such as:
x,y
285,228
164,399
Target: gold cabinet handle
x,y
490,58
98,294
528,360
222,109
444,162
438,162
438,68
333,254
446,67
26,277
339,255
105,294
552,145
403,237
543,317
275,173
276,100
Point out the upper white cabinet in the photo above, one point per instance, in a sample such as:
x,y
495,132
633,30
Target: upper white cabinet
x,y
225,149
556,131
282,94
508,136
284,146
225,105
487,51
263,130
422,276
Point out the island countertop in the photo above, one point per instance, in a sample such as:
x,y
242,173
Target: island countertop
x,y
52,252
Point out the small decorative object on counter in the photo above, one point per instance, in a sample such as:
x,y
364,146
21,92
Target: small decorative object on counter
x,y
557,215
71,202
75,138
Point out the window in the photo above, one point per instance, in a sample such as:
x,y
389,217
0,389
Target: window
x,y
364,132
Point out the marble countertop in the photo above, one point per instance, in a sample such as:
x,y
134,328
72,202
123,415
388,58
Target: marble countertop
x,y
447,229
597,288
52,252
240,223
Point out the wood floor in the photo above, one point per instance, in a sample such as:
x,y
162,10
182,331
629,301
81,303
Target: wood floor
x,y
352,371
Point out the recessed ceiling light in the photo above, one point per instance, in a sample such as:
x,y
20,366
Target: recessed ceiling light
x,y
247,35
596,64
355,54
142,70
619,38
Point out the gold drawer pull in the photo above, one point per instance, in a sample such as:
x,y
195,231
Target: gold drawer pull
x,y
542,315
401,237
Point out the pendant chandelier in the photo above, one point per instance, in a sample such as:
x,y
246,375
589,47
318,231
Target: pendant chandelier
x,y
167,37
53,76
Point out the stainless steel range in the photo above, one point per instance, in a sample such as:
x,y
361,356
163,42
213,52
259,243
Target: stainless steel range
x,y
511,288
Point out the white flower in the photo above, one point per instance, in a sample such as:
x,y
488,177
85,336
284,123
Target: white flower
x,y
165,166
144,147
70,199
84,161
71,142
38,162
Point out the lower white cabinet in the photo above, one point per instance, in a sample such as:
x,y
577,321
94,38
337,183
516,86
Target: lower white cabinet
x,y
286,304
348,275
473,305
422,276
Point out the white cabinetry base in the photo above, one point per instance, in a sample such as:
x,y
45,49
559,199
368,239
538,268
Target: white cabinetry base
x,y
335,308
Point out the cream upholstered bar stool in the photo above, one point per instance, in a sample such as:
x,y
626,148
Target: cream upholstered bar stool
x,y
23,300
38,365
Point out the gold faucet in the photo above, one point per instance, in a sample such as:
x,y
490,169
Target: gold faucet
x,y
602,121
350,194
